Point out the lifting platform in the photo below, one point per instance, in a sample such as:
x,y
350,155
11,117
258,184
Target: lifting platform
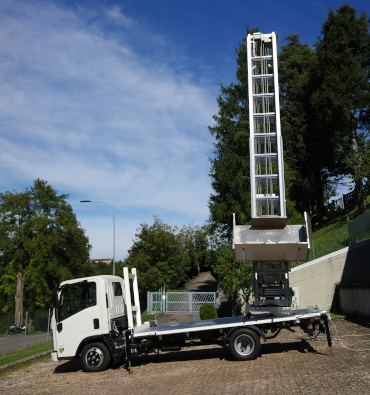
x,y
268,238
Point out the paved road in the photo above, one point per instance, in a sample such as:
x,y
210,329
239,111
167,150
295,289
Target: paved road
x,y
288,364
204,282
13,343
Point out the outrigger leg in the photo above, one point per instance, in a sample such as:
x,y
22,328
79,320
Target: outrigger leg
x,y
128,351
327,331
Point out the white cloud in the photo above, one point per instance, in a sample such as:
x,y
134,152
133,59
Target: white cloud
x,y
85,110
116,16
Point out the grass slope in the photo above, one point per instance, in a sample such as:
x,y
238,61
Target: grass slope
x,y
333,234
8,358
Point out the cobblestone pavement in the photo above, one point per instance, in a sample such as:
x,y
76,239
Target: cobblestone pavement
x,y
288,364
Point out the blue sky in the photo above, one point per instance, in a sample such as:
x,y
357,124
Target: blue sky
x,y
111,101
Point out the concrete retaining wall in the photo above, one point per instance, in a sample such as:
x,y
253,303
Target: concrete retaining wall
x,y
355,301
317,280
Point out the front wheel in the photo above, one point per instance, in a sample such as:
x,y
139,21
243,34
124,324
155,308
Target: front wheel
x,y
244,344
95,357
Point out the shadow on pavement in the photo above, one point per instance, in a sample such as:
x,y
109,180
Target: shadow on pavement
x,y
302,346
69,367
220,353
184,355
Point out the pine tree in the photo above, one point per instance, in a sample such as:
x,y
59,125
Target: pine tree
x,y
230,164
343,94
296,61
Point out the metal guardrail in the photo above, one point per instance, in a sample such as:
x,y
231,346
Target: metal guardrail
x,y
359,228
346,200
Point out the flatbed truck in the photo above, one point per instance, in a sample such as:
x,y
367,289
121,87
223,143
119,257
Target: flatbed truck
x,y
96,320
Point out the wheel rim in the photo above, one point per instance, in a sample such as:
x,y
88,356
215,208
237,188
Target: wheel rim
x,y
244,344
94,357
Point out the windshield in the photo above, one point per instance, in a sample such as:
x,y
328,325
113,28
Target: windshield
x,y
76,297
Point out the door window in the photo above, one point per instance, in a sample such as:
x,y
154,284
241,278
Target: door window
x,y
117,289
75,298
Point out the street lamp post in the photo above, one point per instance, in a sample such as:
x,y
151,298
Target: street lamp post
x,y
114,231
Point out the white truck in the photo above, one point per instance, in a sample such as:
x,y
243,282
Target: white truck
x,y
96,320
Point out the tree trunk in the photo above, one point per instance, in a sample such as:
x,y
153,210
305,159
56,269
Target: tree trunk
x,y
319,195
19,298
359,186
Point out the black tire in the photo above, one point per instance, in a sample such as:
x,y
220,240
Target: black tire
x,y
95,357
244,344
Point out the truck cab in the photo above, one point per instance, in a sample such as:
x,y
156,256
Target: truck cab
x,y
88,316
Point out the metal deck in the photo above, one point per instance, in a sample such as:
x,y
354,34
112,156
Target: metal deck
x,y
224,323
287,244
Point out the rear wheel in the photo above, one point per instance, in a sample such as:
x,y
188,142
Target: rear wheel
x,y
244,344
95,357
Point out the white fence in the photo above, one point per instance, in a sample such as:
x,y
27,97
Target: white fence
x,y
179,302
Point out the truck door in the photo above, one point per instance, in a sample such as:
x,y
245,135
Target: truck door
x,y
78,316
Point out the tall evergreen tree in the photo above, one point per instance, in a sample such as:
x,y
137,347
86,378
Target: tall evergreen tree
x,y
296,61
307,149
230,164
343,95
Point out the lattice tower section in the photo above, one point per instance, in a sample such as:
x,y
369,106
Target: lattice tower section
x,y
266,150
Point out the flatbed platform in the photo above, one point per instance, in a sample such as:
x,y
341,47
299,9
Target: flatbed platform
x,y
225,323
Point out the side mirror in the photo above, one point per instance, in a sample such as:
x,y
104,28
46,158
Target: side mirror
x,y
56,304
56,300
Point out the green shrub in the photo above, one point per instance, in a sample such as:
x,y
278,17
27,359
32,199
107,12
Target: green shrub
x,y
5,322
208,312
39,321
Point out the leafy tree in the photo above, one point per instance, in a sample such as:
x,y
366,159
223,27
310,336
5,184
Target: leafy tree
x,y
101,268
234,276
158,255
359,165
343,93
196,247
40,232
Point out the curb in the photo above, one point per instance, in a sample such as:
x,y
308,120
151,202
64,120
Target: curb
x,y
11,364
